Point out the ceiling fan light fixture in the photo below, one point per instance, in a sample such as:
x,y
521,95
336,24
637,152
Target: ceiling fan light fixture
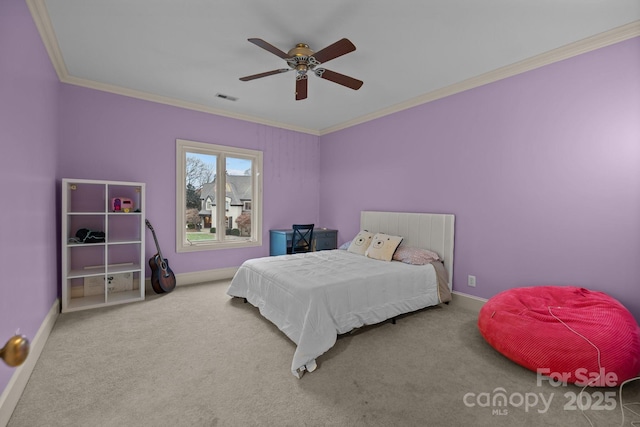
x,y
302,59
301,49
302,69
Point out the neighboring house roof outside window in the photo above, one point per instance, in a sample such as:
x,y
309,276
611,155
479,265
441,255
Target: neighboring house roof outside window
x,y
238,190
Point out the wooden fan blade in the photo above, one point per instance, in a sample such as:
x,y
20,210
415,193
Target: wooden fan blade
x,y
339,48
301,88
265,74
341,79
266,46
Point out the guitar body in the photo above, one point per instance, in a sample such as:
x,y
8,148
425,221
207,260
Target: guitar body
x,y
162,278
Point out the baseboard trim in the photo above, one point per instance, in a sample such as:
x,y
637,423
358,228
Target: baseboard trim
x,y
196,277
205,276
467,301
18,382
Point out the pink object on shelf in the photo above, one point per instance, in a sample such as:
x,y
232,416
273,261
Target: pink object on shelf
x,y
121,204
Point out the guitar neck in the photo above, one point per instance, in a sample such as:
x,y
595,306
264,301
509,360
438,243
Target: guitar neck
x,y
155,239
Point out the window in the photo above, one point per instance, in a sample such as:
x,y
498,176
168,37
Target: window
x,y
214,183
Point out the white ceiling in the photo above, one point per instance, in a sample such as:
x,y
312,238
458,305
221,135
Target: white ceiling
x,y
184,52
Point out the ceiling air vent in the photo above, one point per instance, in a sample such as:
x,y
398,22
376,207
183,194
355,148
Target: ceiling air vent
x,y
227,97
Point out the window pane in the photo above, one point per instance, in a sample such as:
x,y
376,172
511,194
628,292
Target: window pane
x,y
219,191
200,197
239,189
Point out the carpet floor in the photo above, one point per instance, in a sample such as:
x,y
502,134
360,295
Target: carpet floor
x,y
196,357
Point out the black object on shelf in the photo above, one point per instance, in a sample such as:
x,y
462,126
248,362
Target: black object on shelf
x,y
85,235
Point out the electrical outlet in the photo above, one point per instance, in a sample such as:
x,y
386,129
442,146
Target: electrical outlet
x,y
471,281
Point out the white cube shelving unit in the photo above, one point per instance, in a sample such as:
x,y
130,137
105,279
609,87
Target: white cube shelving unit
x,y
109,272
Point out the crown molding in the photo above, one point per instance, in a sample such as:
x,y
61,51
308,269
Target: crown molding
x,y
597,41
43,23
132,93
40,16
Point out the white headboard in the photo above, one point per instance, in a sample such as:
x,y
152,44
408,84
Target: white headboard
x,y
421,230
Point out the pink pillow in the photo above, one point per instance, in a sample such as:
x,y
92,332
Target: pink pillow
x,y
415,256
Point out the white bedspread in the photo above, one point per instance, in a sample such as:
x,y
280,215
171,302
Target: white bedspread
x,y
313,297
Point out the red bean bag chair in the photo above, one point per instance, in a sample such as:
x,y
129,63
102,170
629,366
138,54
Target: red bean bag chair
x,y
565,333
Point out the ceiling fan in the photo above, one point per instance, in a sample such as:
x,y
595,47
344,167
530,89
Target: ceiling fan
x,y
302,59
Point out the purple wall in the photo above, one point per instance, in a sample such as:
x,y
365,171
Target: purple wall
x,y
542,171
106,136
28,127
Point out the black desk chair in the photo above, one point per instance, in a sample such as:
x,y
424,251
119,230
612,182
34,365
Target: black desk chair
x,y
302,238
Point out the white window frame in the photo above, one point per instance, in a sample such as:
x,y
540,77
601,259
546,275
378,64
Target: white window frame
x,y
221,152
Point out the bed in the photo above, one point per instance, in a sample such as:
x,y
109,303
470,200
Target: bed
x,y
314,297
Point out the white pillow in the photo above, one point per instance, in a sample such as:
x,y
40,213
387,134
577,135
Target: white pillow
x,y
383,246
361,242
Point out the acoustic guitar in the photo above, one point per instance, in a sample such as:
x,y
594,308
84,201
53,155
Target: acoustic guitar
x,y
162,278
